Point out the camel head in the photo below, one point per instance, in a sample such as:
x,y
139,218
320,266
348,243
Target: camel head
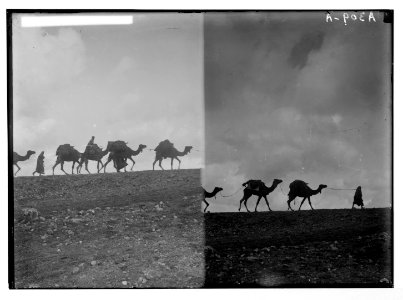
x,y
141,147
321,187
30,152
217,189
277,182
187,149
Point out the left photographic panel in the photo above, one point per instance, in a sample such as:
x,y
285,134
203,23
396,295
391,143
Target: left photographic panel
x,y
106,116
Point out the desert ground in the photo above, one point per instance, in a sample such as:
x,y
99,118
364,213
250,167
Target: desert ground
x,y
146,230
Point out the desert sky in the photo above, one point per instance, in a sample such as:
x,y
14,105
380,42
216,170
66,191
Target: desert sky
x,y
141,83
260,95
291,96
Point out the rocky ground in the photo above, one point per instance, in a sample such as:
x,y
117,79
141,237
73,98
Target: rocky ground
x,y
145,229
138,229
321,248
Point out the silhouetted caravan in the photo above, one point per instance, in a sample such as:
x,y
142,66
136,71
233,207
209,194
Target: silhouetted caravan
x,y
358,198
257,188
17,158
166,149
299,188
210,195
65,153
40,168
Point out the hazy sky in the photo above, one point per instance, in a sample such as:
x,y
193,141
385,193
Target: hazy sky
x,y
290,96
141,83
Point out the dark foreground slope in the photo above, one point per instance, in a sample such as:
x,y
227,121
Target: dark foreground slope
x,y
146,229
349,248
138,229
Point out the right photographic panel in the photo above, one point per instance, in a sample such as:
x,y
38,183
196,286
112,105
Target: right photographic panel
x,y
298,149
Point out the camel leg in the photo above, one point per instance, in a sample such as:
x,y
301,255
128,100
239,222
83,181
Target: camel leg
x,y
102,165
72,168
289,201
179,166
107,162
172,163
257,203
18,169
204,200
33,174
160,161
245,197
267,202
154,163
86,166
61,167
57,162
310,204
302,202
131,169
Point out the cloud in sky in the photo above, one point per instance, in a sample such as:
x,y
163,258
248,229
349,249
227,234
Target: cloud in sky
x,y
141,83
290,96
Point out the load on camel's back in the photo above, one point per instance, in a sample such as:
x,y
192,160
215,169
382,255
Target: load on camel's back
x,y
164,147
253,184
92,149
65,150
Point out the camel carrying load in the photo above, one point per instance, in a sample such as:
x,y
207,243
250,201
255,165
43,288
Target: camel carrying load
x,y
118,148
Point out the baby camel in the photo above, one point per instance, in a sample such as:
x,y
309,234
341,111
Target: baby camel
x,y
299,188
258,188
210,195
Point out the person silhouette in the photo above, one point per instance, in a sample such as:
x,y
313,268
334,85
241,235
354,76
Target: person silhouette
x,y
358,198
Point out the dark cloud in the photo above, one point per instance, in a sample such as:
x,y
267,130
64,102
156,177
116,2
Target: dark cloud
x,y
300,52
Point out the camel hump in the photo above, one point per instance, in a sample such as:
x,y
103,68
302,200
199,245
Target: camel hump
x,y
164,146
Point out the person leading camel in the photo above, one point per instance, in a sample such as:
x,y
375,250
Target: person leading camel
x,y
40,169
358,198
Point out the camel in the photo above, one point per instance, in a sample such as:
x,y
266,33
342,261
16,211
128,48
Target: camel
x,y
257,188
210,195
299,188
17,158
127,153
169,152
92,152
66,153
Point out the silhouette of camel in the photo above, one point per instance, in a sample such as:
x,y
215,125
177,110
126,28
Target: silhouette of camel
x,y
299,188
127,153
66,153
171,153
92,152
210,195
17,158
257,188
